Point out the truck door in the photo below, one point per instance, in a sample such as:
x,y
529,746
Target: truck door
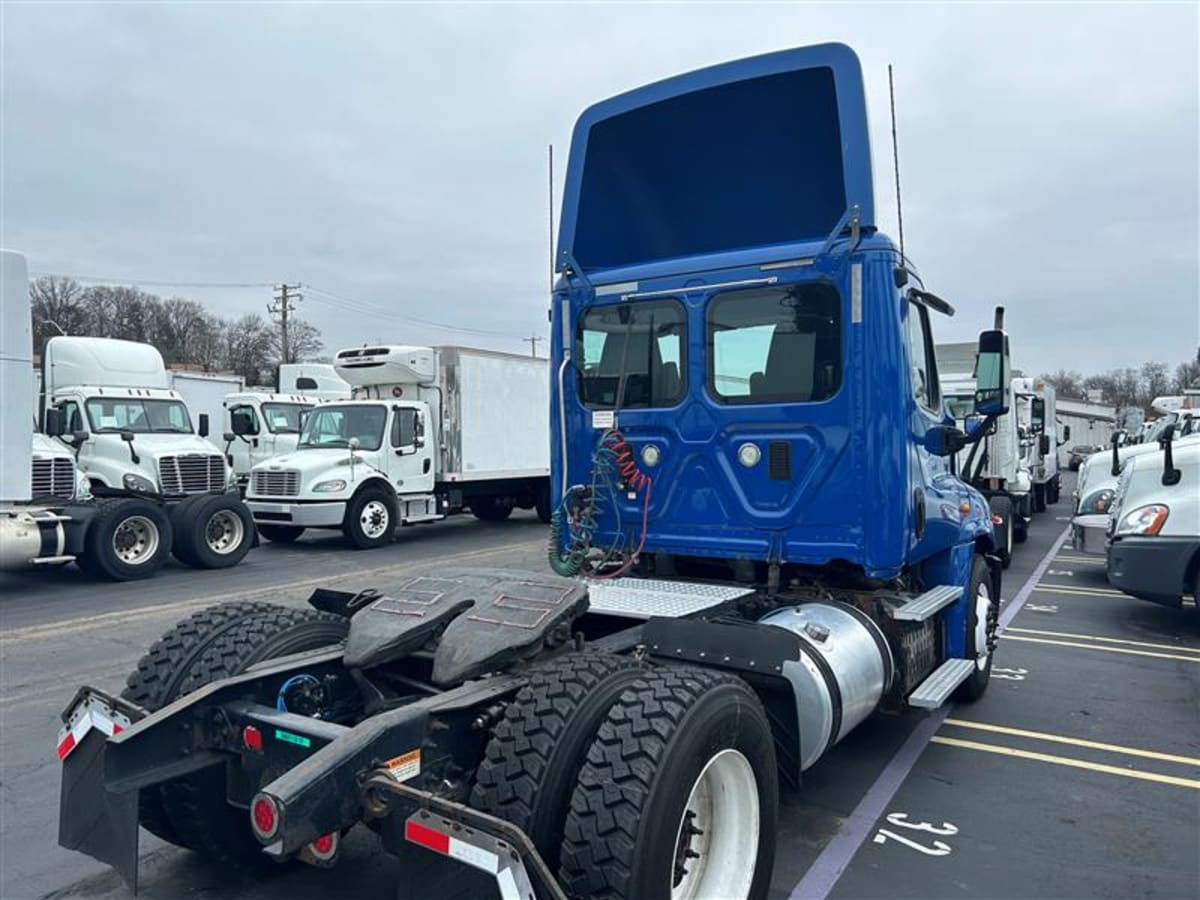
x,y
411,462
936,493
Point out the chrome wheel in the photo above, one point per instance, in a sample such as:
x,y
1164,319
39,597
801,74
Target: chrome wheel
x,y
983,608
224,531
135,540
374,520
716,842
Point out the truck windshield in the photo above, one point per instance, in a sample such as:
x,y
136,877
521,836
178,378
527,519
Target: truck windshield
x,y
283,418
333,426
138,415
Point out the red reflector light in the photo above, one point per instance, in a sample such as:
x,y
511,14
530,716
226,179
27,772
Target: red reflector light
x,y
252,739
265,816
67,745
427,837
997,520
323,844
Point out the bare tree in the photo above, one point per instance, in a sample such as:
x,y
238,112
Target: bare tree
x,y
1156,380
303,342
1187,374
59,307
248,346
1067,383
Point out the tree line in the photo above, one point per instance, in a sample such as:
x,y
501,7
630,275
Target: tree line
x,y
186,333
1129,387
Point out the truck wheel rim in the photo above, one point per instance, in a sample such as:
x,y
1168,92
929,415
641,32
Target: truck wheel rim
x,y
224,532
135,540
716,842
983,607
374,519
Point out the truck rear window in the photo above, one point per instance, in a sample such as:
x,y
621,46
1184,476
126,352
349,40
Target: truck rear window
x,y
775,345
641,345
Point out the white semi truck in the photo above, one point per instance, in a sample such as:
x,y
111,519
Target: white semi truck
x,y
431,430
1037,424
130,525
997,465
317,381
259,426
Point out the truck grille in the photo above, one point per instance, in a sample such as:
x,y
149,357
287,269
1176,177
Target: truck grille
x,y
54,478
194,473
275,483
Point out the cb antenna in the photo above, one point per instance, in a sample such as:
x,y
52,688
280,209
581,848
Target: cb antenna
x,y
896,167
550,154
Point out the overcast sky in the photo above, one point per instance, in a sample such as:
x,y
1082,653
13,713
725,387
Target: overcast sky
x,y
396,155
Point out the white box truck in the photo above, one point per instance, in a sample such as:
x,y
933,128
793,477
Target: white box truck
x,y
204,392
1037,423
130,526
431,430
260,425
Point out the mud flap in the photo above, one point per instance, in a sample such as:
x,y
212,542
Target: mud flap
x,y
93,820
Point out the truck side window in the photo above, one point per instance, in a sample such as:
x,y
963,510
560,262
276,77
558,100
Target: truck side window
x,y
306,384
641,344
778,345
404,428
72,417
923,369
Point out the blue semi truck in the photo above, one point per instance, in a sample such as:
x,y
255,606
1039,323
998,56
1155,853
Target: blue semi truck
x,y
759,541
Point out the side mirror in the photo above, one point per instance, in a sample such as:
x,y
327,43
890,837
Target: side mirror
x,y
1066,433
240,422
203,429
228,437
127,437
944,440
79,437
1170,475
1037,414
53,422
992,374
353,444
1044,444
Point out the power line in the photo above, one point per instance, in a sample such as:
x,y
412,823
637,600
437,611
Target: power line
x,y
532,341
361,306
97,279
281,306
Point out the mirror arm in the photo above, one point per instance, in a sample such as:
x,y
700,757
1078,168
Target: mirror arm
x,y
1170,475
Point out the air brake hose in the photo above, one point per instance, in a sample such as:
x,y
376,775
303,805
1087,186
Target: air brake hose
x,y
567,566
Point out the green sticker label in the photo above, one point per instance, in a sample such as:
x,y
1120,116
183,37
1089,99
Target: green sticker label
x,y
289,738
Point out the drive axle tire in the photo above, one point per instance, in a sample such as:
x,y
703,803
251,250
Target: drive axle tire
x,y
678,796
128,538
370,518
214,644
492,509
1039,498
533,759
983,616
212,531
544,505
280,534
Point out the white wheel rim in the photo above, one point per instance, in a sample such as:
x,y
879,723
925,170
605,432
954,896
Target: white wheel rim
x,y
135,540
983,606
224,531
720,825
374,519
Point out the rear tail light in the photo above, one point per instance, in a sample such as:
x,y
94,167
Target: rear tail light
x,y
264,816
252,739
322,851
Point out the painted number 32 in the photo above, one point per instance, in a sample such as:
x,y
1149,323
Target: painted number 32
x,y
900,820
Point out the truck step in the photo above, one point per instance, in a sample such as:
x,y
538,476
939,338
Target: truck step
x,y
933,691
641,598
924,606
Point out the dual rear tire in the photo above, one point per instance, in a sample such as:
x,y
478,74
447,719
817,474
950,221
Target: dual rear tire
x,y
636,782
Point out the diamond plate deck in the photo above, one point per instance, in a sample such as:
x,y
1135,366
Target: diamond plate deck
x,y
924,606
941,684
638,598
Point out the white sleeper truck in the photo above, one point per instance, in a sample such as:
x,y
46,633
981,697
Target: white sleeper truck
x,y
317,381
431,430
1037,421
259,426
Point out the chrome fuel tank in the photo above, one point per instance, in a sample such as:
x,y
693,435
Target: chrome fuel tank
x,y
845,667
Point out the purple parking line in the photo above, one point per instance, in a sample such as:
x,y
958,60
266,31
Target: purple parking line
x,y
828,867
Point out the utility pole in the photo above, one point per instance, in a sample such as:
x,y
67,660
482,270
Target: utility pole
x,y
282,305
533,342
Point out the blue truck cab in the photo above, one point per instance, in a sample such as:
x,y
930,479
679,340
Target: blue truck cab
x,y
745,390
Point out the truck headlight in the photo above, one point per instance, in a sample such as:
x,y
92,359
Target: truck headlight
x,y
329,487
1145,520
1097,502
138,483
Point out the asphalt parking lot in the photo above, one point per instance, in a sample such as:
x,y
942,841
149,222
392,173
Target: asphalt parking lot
x,y
1077,775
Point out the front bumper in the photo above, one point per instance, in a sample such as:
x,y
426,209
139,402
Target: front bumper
x,y
1089,534
306,515
1152,568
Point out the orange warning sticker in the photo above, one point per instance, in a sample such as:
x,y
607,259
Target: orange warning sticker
x,y
405,766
